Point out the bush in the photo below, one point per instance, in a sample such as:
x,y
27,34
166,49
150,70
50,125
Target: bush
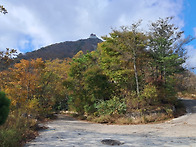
x,y
167,94
76,104
4,107
16,130
112,106
104,119
149,94
9,138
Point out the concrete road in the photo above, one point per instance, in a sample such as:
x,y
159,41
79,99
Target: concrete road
x,y
68,132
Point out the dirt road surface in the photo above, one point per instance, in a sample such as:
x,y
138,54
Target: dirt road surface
x,y
68,132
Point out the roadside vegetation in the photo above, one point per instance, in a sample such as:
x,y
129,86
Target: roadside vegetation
x,y
36,92
132,77
186,85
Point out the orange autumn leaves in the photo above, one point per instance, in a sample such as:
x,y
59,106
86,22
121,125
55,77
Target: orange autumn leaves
x,y
22,80
33,83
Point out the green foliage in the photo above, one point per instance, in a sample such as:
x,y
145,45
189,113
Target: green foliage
x,y
132,101
96,83
166,48
120,55
9,138
16,130
150,95
111,107
131,70
167,93
87,83
4,107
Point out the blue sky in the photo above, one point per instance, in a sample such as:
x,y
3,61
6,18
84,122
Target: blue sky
x,y
189,17
189,11
32,24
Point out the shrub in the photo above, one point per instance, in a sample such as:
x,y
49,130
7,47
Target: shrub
x,y
16,130
4,107
32,107
76,104
167,94
112,106
9,138
149,94
90,109
104,119
132,101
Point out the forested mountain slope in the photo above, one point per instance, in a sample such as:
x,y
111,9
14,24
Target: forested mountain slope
x,y
62,50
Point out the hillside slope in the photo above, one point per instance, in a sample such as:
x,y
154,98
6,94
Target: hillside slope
x,y
62,50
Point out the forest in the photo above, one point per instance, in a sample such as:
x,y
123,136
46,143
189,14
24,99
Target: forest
x,y
131,75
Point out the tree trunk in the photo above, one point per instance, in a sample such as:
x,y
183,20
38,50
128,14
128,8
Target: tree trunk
x,y
135,70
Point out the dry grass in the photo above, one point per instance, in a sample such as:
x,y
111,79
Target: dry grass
x,y
17,130
160,114
102,119
123,120
187,95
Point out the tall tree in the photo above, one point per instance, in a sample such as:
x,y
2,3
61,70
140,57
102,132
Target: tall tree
x,y
167,49
21,81
125,47
4,101
5,56
54,73
87,83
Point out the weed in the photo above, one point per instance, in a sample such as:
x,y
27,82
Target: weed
x,y
16,130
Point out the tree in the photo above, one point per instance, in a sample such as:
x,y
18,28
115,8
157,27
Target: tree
x,y
130,67
4,107
54,73
6,58
167,50
168,53
186,82
87,83
21,83
123,48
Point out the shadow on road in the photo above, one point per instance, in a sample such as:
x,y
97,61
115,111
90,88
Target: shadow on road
x,y
190,105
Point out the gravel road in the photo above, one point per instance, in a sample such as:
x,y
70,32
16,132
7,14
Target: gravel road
x,y
68,132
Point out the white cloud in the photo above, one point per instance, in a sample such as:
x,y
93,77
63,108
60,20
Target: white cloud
x,y
195,31
21,27
191,61
35,23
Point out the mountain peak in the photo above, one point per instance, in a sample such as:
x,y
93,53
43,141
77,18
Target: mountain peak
x,y
63,50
